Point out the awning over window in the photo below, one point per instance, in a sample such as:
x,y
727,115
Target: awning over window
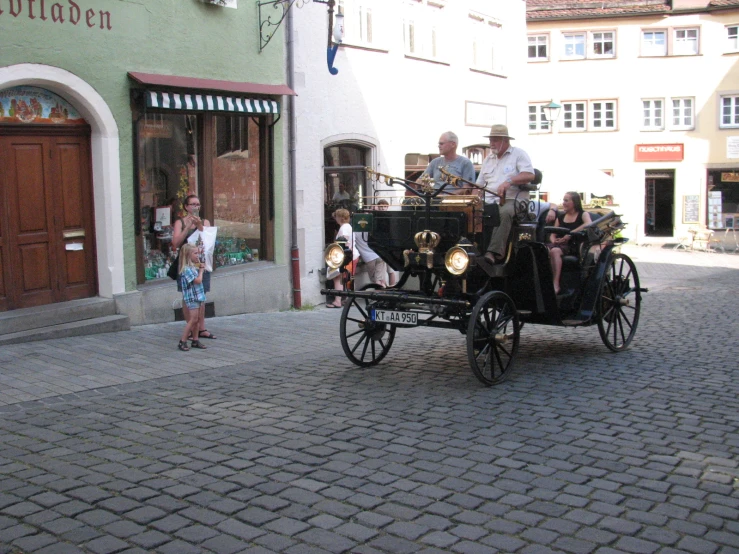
x,y
208,94
209,102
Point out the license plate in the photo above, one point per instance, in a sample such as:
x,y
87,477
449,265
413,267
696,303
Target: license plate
x,y
396,318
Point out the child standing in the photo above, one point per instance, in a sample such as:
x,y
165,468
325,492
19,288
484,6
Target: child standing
x,y
193,294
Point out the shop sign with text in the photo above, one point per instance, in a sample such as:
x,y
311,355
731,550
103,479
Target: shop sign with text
x,y
658,153
66,12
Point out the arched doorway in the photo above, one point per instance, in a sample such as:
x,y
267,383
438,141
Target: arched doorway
x,y
344,182
47,235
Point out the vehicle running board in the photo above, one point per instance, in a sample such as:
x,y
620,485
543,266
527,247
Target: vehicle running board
x,y
573,322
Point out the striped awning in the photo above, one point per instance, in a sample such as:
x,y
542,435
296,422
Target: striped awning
x,y
210,103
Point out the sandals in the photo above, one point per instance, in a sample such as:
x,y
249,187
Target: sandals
x,y
183,346
202,336
197,344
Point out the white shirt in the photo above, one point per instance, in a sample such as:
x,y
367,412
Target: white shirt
x,y
495,171
346,231
367,254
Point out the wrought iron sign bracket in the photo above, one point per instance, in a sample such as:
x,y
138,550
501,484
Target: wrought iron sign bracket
x,y
270,22
267,26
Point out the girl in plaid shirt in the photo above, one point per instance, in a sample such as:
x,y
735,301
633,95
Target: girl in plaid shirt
x,y
193,294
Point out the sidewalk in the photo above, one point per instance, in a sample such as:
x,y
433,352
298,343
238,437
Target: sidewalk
x,y
663,254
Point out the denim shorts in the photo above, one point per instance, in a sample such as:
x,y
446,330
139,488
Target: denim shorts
x,y
193,305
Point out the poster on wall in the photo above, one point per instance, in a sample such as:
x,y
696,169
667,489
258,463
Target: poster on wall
x,y
732,147
690,208
37,106
715,219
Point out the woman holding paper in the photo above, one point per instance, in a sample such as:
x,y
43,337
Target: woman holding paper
x,y
183,229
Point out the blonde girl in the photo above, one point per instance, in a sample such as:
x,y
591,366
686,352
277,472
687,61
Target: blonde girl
x,y
193,294
342,217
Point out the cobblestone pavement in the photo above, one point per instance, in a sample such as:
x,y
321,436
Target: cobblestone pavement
x,y
269,441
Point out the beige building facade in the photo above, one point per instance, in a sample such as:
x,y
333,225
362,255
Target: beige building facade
x,y
649,94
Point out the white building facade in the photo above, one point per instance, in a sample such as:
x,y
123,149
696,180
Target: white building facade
x,y
408,70
649,94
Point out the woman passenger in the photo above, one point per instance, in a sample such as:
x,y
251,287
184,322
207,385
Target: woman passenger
x,y
572,217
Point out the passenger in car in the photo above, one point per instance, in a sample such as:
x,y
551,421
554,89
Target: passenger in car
x,y
572,217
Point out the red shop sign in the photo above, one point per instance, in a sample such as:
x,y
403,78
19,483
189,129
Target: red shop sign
x,y
658,153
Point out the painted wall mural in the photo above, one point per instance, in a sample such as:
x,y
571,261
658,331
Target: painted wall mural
x,y
37,106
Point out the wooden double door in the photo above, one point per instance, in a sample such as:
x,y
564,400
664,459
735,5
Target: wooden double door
x,y
47,243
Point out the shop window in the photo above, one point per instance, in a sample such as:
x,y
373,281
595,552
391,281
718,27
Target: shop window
x,y
723,199
344,182
221,159
236,192
231,136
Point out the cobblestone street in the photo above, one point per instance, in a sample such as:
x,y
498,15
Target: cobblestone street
x,y
271,441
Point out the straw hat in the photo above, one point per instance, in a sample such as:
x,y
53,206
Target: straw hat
x,y
499,131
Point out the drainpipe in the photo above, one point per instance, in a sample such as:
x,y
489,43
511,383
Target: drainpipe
x,y
294,250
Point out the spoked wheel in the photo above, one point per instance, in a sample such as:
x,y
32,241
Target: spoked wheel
x,y
365,342
492,338
620,303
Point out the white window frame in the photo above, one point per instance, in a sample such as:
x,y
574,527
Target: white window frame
x,y
422,29
537,44
487,45
608,118
594,39
580,39
686,41
729,109
732,38
360,23
682,107
537,120
574,116
649,48
653,114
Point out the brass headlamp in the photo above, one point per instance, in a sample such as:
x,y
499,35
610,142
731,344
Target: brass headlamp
x,y
337,254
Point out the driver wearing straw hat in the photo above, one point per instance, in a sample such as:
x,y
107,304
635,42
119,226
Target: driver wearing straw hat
x,y
504,172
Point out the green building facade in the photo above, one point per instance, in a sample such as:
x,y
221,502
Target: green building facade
x,y
112,112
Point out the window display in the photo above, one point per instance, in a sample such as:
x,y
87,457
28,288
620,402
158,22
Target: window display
x,y
218,158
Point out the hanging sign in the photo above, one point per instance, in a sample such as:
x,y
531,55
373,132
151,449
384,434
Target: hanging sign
x,y
730,177
36,105
658,153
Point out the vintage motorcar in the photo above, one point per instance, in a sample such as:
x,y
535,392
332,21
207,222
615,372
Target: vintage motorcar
x,y
436,242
